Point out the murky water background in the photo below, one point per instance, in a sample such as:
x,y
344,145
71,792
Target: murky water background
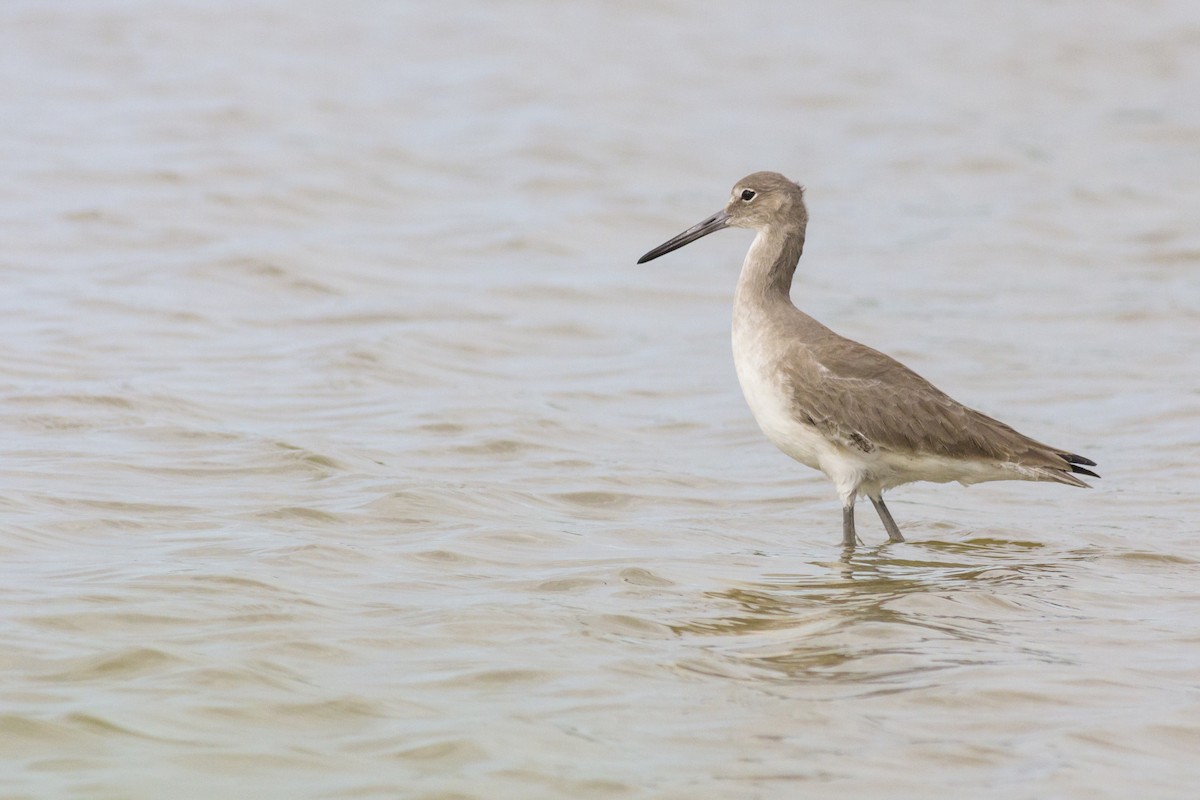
x,y
348,454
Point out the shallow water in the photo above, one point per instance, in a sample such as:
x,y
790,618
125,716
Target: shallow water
x,y
348,453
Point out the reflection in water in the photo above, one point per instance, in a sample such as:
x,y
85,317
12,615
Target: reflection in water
x,y
885,614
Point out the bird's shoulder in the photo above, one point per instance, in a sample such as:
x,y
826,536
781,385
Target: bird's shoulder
x,y
821,353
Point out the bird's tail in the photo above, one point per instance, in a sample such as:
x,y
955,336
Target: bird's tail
x,y
1072,465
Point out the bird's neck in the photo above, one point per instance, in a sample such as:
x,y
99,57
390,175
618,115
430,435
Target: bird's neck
x,y
769,266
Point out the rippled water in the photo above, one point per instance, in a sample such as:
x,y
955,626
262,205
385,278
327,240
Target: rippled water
x,y
348,454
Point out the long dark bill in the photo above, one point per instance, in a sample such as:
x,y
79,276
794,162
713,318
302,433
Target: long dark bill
x,y
714,223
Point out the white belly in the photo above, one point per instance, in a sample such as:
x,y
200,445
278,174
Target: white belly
x,y
848,468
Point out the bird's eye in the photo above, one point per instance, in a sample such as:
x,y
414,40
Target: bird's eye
x,y
747,195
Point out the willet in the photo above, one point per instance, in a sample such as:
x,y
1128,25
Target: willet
x,y
864,419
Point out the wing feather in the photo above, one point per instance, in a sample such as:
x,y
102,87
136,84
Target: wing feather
x,y
866,399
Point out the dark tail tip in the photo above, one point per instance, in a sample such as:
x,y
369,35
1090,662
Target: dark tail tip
x,y
1076,463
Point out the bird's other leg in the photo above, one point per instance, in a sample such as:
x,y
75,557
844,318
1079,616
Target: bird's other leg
x,y
893,530
849,538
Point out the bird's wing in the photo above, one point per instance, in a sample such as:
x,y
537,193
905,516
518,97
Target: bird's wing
x,y
867,400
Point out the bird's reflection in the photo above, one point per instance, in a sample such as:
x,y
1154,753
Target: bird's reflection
x,y
886,612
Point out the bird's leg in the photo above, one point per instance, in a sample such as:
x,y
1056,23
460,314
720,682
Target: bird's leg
x,y
848,536
893,530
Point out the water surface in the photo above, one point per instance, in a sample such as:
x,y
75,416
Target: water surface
x,y
348,454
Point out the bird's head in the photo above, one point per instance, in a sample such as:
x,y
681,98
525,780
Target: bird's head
x,y
757,201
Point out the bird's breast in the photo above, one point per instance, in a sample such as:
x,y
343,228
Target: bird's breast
x,y
770,399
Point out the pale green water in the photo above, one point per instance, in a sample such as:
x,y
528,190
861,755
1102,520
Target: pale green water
x,y
347,453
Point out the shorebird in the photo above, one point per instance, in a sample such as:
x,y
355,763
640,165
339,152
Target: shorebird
x,y
861,417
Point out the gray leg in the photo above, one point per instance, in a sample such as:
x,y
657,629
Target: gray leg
x,y
847,525
893,530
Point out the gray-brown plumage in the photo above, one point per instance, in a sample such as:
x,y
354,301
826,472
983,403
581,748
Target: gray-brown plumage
x,y
863,418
